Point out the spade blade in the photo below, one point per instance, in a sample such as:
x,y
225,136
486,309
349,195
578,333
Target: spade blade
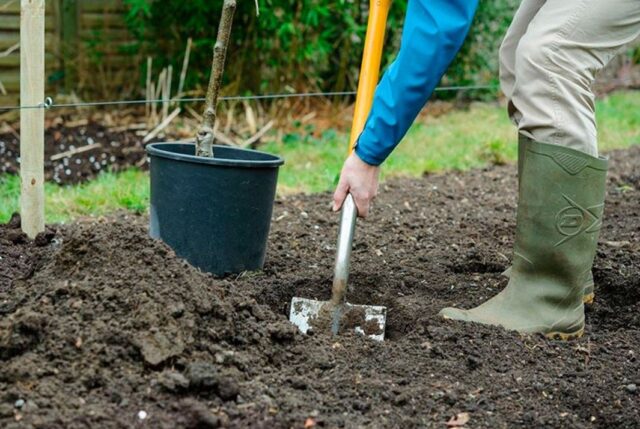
x,y
369,320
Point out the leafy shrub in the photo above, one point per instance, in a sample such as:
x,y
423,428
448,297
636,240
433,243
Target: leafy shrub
x,y
298,44
477,62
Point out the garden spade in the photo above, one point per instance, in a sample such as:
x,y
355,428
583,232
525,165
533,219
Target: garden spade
x,y
337,314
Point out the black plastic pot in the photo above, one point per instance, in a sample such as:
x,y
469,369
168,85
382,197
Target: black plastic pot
x,y
214,212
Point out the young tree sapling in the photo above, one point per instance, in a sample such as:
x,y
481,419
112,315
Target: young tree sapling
x,y
205,137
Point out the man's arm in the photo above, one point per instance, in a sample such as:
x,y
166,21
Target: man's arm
x,y
434,31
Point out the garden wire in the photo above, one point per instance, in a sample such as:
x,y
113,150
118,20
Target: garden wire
x,y
49,102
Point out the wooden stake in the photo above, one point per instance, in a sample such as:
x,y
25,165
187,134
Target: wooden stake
x,y
32,120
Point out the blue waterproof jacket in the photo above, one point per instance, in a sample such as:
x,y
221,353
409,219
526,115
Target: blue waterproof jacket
x,y
434,31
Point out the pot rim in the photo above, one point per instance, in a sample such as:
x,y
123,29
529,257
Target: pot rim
x,y
159,149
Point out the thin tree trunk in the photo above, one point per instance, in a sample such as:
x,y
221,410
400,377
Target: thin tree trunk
x,y
205,137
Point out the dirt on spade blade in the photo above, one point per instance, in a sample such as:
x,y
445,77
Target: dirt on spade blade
x,y
101,326
349,318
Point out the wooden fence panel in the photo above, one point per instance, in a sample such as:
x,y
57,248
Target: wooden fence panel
x,y
10,52
87,56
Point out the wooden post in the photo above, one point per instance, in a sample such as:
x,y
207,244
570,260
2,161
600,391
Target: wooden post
x,y
70,35
32,120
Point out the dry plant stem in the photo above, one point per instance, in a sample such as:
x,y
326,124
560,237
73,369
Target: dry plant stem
x,y
205,137
185,66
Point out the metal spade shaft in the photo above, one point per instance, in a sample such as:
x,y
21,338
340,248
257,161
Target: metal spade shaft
x,y
369,73
343,258
308,314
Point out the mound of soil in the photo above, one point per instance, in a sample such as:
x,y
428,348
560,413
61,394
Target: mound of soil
x,y
101,326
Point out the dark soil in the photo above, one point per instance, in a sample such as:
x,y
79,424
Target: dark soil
x,y
108,151
101,326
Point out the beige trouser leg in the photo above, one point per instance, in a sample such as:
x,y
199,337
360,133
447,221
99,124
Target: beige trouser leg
x,y
549,60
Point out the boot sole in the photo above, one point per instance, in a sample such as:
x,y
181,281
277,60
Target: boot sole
x,y
562,336
565,337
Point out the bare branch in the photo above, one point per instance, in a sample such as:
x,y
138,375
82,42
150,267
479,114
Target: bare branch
x,y
253,140
161,126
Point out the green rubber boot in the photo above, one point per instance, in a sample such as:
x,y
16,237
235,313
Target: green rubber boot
x,y
589,294
559,217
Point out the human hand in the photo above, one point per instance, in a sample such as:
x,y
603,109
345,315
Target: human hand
x,y
360,180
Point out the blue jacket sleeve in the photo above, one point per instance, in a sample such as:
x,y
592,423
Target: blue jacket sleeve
x,y
434,31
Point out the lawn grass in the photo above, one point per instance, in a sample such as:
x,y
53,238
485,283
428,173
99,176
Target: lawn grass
x,y
473,137
109,192
459,140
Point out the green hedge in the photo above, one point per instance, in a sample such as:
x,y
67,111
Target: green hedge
x,y
299,44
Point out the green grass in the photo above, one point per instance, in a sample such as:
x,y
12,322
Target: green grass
x,y
463,139
109,192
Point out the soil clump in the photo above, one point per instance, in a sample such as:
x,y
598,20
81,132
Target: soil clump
x,y
101,326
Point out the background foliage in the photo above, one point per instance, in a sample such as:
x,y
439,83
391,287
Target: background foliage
x,y
298,44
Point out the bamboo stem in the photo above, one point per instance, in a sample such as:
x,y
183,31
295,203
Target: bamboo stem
x,y
166,92
205,137
148,90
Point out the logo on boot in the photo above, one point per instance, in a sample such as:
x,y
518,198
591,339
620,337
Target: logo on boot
x,y
574,219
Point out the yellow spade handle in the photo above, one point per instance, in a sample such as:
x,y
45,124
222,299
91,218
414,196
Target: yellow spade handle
x,y
370,68
369,73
